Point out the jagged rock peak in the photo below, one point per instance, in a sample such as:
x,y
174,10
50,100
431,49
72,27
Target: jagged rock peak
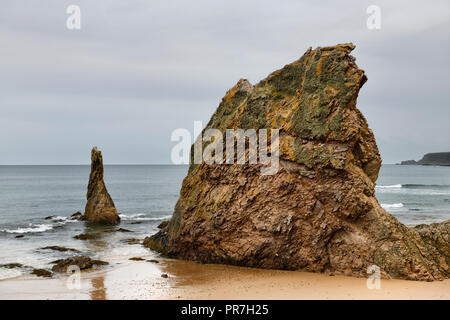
x,y
100,207
318,212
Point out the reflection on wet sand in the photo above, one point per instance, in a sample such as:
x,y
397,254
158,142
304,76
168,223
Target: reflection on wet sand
x,y
189,273
98,291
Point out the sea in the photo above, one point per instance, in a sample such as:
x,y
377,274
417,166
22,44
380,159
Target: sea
x,y
37,201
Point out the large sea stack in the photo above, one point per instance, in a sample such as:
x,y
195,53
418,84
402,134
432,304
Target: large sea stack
x,y
99,207
319,212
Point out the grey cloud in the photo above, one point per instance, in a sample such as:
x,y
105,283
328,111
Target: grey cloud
x,y
139,69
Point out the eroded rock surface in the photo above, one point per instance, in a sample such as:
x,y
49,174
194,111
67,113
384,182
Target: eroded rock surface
x,y
319,212
100,207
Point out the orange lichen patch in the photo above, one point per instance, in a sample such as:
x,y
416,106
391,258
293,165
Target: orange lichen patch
x,y
287,147
319,65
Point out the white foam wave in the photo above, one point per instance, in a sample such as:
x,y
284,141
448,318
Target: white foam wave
x,y
9,273
131,216
156,218
33,228
392,206
396,186
142,217
62,220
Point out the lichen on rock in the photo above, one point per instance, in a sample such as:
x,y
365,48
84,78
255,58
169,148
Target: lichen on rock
x,y
319,212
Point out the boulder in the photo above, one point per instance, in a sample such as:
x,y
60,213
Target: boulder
x,y
85,236
11,265
77,216
100,207
318,212
83,262
58,248
42,273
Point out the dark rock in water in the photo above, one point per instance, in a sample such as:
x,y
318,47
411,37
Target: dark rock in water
x,y
77,216
49,218
136,222
58,248
165,275
19,236
85,236
100,207
56,261
153,260
99,263
42,273
11,265
136,259
318,211
132,241
83,262
123,230
163,224
431,159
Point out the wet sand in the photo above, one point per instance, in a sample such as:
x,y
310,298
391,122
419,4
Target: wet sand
x,y
190,280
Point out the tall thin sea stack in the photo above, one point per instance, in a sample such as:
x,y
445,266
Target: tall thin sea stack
x,y
99,207
318,212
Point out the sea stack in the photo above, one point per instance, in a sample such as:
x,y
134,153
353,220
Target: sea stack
x,y
318,212
99,207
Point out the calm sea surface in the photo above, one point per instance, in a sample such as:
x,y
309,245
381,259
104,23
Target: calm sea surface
x,y
145,196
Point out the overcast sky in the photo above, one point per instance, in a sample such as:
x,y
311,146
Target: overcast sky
x,y
137,70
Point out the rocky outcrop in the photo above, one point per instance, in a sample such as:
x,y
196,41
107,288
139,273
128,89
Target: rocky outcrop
x,y
82,262
318,212
431,159
99,207
409,163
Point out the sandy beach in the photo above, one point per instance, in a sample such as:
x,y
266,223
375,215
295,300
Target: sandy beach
x,y
190,280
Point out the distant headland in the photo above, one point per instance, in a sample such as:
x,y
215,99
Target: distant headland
x,y
431,159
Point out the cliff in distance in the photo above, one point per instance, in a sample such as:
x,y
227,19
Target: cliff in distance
x,y
431,159
318,212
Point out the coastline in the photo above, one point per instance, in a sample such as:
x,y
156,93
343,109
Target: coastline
x,y
129,280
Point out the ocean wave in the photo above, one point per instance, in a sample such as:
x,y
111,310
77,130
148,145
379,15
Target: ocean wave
x,y
131,216
419,189
32,228
396,186
142,217
416,186
62,220
426,186
392,206
9,273
158,218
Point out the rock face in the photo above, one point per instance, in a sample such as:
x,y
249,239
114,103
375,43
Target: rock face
x,y
99,207
318,212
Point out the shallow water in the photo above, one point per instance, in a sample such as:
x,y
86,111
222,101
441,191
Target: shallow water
x,y
145,196
415,194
